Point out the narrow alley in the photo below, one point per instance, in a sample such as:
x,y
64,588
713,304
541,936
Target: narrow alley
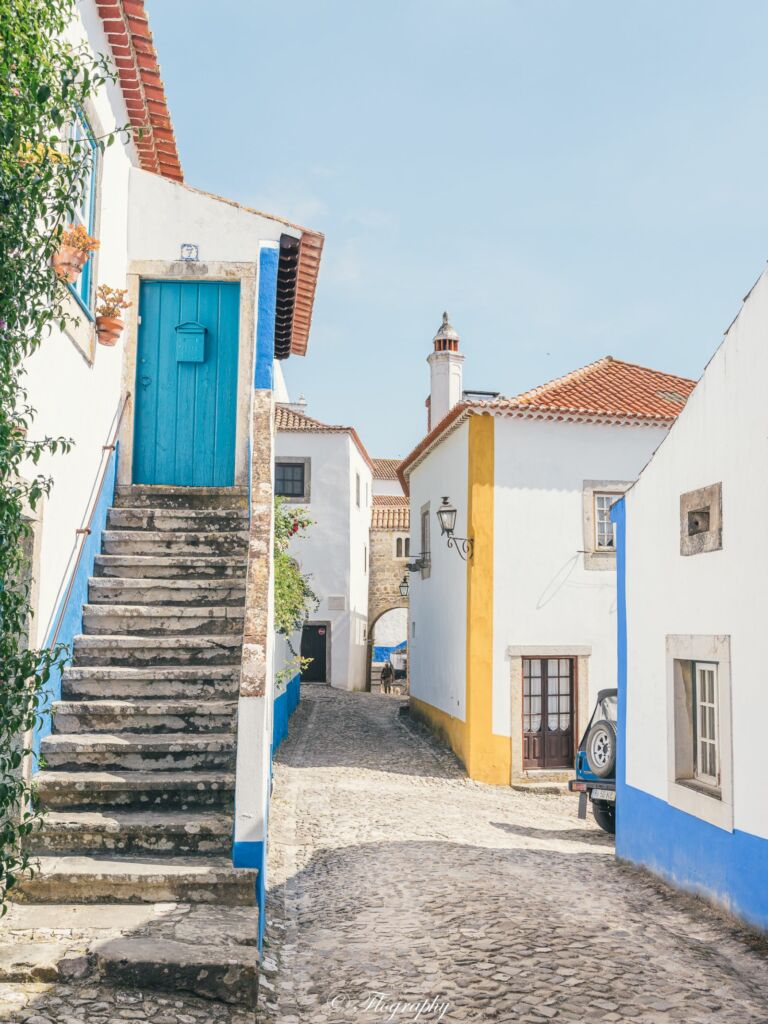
x,y
401,891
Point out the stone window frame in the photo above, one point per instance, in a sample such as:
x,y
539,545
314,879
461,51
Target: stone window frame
x,y
297,460
425,554
598,558
405,546
684,791
515,654
708,498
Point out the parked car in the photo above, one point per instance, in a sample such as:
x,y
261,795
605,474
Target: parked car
x,y
595,780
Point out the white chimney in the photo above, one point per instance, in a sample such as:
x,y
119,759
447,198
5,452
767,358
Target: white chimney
x,y
445,367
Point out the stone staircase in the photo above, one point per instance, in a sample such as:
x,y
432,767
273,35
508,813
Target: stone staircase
x,y
138,780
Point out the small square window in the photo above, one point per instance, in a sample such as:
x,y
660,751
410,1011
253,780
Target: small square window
x,y
291,480
701,520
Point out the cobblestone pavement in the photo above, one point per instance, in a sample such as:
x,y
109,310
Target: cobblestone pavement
x,y
394,880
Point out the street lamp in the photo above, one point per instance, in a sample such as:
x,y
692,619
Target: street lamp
x,y
446,516
404,586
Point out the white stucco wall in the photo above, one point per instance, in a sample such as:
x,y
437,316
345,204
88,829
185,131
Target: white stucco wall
x,y
437,646
720,437
74,384
332,552
388,487
543,593
391,628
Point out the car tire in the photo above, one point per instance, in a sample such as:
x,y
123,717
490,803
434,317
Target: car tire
x,y
601,749
605,816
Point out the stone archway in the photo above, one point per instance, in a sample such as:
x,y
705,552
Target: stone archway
x,y
373,617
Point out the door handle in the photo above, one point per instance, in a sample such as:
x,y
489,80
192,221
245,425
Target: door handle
x,y
145,381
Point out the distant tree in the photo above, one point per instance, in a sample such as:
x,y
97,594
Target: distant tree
x,y
294,596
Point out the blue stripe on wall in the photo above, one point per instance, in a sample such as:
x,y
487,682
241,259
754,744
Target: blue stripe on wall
x,y
70,610
265,328
285,704
729,868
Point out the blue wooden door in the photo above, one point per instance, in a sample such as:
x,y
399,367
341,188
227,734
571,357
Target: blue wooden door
x,y
186,384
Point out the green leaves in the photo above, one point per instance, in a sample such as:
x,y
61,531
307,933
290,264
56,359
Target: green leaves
x,y
46,84
293,594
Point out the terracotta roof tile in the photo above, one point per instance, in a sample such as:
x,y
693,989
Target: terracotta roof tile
x,y
290,420
611,387
385,469
126,26
390,512
606,391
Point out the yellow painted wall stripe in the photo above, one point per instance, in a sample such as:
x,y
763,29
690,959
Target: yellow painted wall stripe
x,y
488,757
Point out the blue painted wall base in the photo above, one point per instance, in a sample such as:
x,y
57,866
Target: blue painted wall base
x,y
727,868
69,613
285,704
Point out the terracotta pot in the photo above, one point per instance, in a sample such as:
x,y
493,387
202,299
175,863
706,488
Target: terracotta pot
x,y
68,262
108,330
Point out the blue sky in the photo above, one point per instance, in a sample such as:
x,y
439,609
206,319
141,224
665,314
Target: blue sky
x,y
568,179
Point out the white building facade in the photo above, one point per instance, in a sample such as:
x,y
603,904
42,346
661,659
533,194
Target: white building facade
x,y
691,796
326,470
512,635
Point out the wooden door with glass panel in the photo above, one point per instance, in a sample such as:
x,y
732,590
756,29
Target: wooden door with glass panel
x,y
548,703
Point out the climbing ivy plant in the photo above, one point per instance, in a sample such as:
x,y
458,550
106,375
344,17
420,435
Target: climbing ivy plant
x,y
46,80
294,596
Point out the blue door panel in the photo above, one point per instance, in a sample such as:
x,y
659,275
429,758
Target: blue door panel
x,y
186,395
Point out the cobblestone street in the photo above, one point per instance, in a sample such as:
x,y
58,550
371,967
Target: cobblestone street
x,y
394,880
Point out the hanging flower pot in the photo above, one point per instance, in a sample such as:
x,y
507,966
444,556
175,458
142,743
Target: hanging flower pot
x,y
68,262
73,253
111,302
108,330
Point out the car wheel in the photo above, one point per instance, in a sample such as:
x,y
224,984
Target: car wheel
x,y
605,816
601,749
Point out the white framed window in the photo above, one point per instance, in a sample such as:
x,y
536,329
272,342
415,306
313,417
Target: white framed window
x,y
706,763
598,497
604,533
700,769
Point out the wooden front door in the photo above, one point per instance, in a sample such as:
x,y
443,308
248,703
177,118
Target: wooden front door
x,y
186,383
314,645
548,702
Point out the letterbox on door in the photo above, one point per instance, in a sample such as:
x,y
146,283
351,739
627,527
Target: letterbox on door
x,y
190,342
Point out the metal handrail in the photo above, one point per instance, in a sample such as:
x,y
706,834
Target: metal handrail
x,y
84,529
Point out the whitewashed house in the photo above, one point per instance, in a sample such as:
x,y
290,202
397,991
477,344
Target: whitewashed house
x,y
152,554
513,626
693,703
326,470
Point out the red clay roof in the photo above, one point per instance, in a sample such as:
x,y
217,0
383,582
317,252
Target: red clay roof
x,y
127,29
390,512
606,391
385,469
290,420
612,387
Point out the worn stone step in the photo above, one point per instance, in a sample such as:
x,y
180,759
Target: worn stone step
x,y
143,652
177,520
192,567
160,496
129,751
168,592
36,962
139,717
221,972
190,682
146,620
167,833
96,879
133,789
157,542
